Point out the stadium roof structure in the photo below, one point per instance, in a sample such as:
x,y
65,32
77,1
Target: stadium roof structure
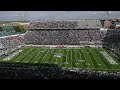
x,y
65,24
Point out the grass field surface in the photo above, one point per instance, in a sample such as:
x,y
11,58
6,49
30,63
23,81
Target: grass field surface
x,y
73,58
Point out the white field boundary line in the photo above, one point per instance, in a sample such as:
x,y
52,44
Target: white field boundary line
x,y
104,58
65,46
98,69
95,59
109,58
11,56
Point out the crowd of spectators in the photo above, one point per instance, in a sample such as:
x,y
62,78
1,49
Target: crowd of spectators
x,y
65,24
10,43
53,24
63,37
111,41
50,71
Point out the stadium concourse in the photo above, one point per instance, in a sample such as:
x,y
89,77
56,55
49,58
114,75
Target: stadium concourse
x,y
60,34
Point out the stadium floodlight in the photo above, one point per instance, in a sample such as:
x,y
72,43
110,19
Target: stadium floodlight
x,y
108,13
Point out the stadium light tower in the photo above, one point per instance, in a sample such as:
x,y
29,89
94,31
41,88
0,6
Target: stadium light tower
x,y
23,16
108,13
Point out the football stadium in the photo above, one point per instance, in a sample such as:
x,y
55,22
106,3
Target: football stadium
x,y
61,49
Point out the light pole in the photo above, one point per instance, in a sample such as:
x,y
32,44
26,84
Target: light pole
x,y
108,13
23,17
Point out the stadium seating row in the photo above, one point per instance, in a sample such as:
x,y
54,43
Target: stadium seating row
x,y
9,43
65,24
47,71
63,37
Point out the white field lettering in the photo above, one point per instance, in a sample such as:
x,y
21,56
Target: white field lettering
x,y
109,58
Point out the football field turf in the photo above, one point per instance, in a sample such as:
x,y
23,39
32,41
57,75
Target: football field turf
x,y
73,58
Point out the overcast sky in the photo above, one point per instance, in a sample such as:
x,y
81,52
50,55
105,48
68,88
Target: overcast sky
x,y
35,15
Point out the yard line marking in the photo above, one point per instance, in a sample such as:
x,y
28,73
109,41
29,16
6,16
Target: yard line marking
x,y
37,54
29,56
68,61
44,54
76,59
54,58
80,58
71,58
94,58
104,58
37,50
90,58
86,59
65,57
49,55
100,60
24,51
108,57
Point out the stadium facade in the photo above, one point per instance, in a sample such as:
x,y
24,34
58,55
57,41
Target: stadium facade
x,y
82,33
64,32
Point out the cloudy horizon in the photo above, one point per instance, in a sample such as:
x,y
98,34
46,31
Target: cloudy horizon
x,y
35,15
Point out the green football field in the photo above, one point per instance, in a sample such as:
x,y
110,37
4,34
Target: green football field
x,y
73,58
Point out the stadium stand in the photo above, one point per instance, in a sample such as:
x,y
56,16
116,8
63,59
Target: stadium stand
x,y
10,43
69,32
65,24
111,41
49,71
63,37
